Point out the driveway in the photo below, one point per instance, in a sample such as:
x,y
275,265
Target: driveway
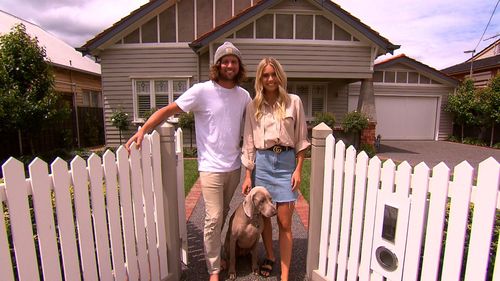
x,y
434,152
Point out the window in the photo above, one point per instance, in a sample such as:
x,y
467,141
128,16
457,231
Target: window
x,y
284,26
378,76
401,77
91,98
156,93
304,28
389,77
313,97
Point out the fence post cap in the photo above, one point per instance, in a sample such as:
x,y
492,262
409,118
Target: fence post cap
x,y
321,131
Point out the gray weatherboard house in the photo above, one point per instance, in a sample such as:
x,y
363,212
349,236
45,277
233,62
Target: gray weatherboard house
x,y
154,54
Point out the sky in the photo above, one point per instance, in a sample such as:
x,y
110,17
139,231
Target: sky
x,y
434,32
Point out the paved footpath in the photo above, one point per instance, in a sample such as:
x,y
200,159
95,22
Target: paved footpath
x,y
196,269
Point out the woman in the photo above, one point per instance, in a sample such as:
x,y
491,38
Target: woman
x,y
275,137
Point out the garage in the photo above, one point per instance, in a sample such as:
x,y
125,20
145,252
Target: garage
x,y
406,118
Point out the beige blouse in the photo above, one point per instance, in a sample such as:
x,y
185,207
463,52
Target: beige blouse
x,y
267,132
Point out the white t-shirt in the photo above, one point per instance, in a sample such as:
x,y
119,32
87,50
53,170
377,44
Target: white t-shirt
x,y
218,114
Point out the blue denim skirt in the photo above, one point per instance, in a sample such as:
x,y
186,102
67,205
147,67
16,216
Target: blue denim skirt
x,y
274,172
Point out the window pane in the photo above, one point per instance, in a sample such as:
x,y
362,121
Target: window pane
x,y
303,93
304,27
318,99
167,25
401,77
390,77
95,96
150,31
142,87
413,77
378,76
264,27
245,32
424,80
323,28
341,34
132,37
144,105
284,26
86,99
161,86
161,101
180,86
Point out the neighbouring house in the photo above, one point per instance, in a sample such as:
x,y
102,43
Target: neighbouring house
x,y
77,79
409,100
483,66
154,54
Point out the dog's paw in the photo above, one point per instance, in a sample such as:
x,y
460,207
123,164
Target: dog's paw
x,y
232,275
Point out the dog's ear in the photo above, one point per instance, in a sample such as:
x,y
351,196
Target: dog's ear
x,y
248,204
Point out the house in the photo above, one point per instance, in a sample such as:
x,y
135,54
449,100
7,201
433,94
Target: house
x,y
482,66
154,54
409,100
77,79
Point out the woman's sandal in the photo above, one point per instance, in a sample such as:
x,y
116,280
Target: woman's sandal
x,y
266,268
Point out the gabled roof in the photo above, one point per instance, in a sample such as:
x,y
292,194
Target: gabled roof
x,y
480,53
423,68
482,64
261,6
206,38
59,52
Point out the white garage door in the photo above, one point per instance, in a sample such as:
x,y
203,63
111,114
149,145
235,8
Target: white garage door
x,y
406,118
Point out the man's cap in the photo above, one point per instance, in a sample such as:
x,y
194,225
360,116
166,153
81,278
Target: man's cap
x,y
226,49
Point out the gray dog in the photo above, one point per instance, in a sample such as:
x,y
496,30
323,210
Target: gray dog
x,y
245,227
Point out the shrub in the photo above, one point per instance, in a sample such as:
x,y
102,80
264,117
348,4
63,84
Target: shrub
x,y
474,141
119,119
354,122
325,117
368,149
497,145
148,113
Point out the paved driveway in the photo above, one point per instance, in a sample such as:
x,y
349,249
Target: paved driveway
x,y
434,152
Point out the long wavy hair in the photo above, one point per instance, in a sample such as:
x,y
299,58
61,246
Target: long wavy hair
x,y
238,79
283,98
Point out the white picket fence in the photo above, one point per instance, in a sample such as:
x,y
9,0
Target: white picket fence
x,y
104,219
377,221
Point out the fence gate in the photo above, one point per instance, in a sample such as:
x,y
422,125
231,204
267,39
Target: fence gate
x,y
388,222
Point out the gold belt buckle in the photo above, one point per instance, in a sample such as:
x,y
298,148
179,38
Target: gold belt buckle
x,y
277,149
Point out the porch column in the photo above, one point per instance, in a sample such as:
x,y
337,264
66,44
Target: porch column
x,y
366,105
319,134
169,182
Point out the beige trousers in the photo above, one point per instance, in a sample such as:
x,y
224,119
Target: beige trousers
x,y
217,190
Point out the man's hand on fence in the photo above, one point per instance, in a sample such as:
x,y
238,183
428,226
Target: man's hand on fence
x,y
137,138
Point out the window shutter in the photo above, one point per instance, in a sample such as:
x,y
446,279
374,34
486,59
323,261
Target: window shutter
x,y
318,99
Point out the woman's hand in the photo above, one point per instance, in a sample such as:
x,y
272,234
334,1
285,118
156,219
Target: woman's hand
x,y
246,186
296,180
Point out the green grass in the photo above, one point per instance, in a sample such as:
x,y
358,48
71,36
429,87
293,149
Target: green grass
x,y
306,179
190,174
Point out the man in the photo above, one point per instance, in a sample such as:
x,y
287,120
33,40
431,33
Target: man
x,y
218,106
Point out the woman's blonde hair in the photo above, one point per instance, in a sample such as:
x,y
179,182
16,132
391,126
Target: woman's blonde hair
x,y
283,98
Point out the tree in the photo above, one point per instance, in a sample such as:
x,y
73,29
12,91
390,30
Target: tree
x,y
462,105
27,95
489,105
119,119
354,122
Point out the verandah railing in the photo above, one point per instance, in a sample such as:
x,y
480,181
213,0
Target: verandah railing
x,y
115,219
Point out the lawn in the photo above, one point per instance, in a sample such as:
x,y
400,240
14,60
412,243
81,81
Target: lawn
x,y
191,175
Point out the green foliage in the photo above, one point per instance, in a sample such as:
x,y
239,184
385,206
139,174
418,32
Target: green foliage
x,y
28,101
306,179
354,122
148,113
368,149
474,141
325,117
497,145
119,119
462,104
186,120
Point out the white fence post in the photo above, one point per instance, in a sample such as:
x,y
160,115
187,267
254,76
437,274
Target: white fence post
x,y
169,181
319,134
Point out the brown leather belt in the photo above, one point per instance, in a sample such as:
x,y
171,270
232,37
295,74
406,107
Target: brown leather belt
x,y
279,148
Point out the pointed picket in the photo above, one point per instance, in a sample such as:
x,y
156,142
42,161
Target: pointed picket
x,y
79,175
44,215
327,203
16,189
65,223
138,206
374,174
457,223
357,218
345,229
147,184
338,177
113,207
402,180
160,205
126,214
483,220
99,217
388,177
5,260
420,184
438,187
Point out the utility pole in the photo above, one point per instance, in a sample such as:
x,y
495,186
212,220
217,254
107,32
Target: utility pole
x,y
471,61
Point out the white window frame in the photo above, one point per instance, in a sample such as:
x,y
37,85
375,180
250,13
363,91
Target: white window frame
x,y
152,93
292,86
